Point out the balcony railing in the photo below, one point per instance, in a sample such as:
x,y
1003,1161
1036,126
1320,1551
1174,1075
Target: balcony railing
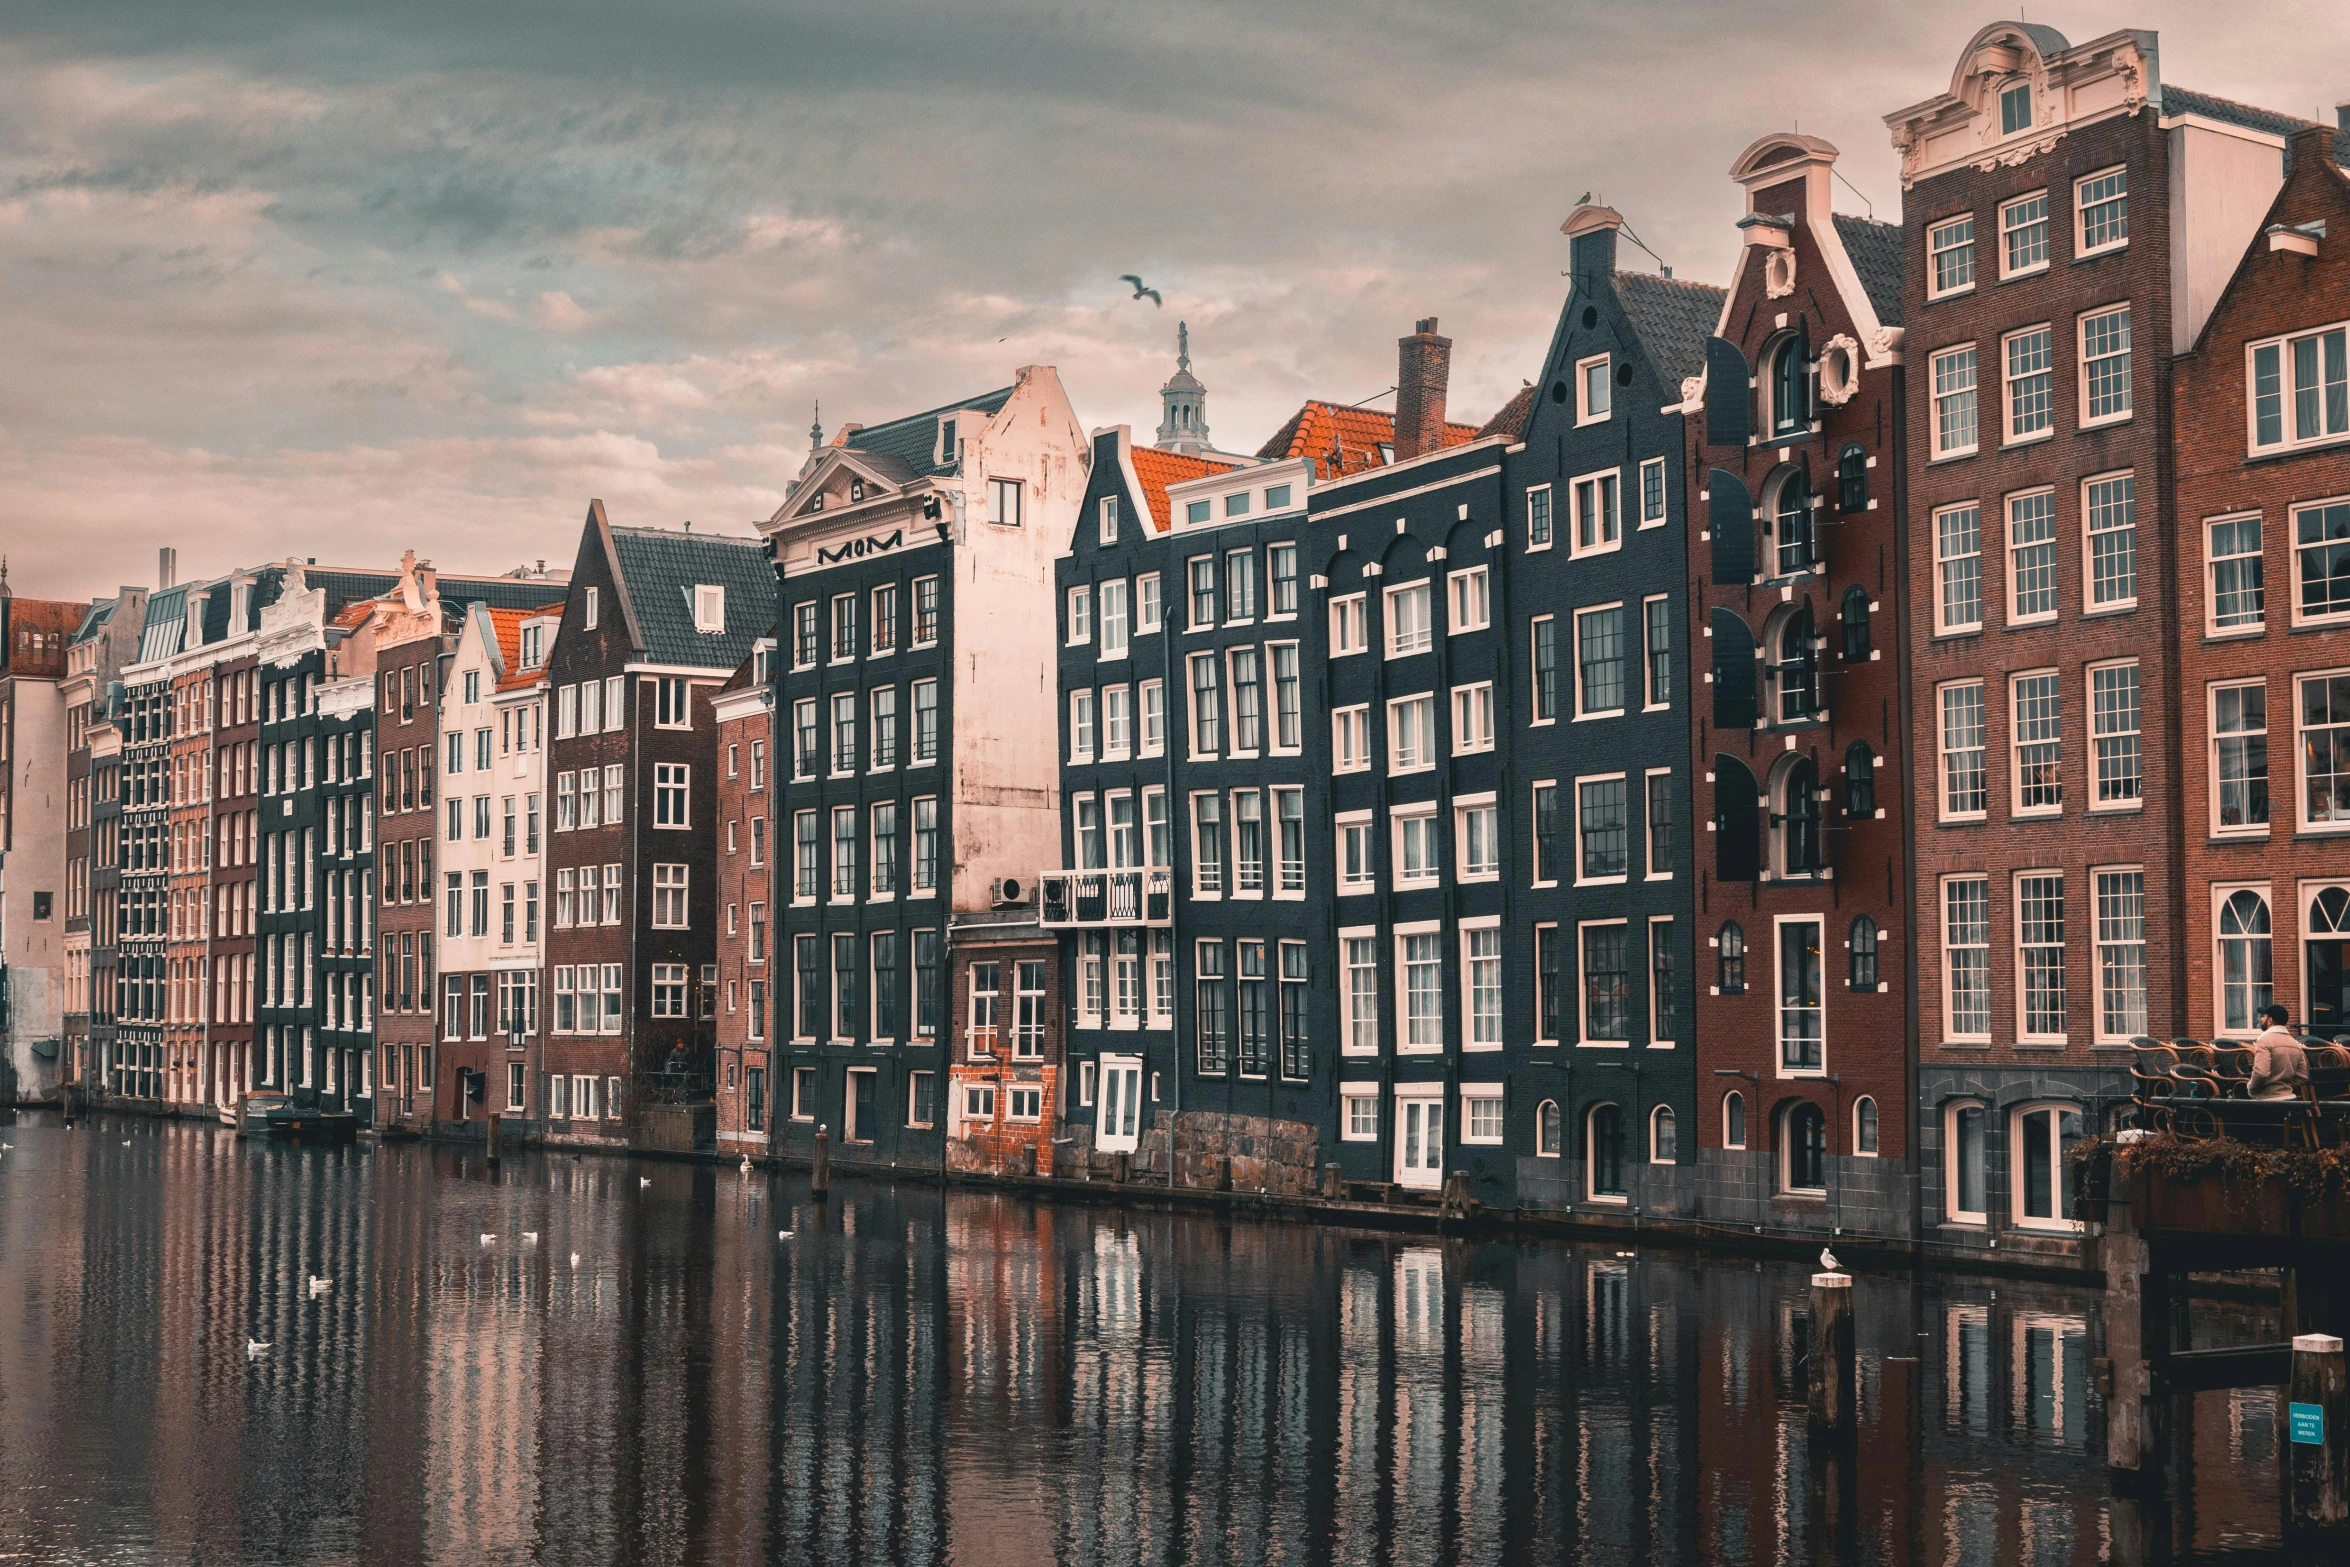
x,y
1071,900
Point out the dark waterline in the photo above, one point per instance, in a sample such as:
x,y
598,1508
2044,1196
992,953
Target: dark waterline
x,y
924,1375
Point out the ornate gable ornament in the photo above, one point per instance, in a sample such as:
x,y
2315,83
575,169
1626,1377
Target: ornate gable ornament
x,y
2019,89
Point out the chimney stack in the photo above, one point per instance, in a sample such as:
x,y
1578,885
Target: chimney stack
x,y
2342,114
167,566
1423,367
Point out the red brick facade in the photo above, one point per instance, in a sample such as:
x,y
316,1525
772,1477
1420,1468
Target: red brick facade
x,y
1005,1015
2265,654
236,840
746,1077
412,1087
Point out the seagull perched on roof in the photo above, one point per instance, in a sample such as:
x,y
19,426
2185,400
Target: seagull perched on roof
x,y
1141,292
1829,1262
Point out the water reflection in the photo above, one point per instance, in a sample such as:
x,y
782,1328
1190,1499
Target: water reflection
x,y
931,1376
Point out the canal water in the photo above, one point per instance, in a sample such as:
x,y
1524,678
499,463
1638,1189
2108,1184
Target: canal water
x,y
933,1375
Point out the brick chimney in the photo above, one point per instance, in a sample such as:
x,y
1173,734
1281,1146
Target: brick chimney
x,y
1423,366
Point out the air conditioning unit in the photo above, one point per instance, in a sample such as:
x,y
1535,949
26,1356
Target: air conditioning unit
x,y
1006,892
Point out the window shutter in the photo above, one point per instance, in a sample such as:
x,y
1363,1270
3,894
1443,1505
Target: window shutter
x,y
1729,518
1733,671
1728,407
1737,821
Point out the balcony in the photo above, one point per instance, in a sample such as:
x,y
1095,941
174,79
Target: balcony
x,y
1090,900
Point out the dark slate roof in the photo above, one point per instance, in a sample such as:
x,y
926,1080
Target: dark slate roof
x,y
1510,419
345,588
498,592
219,598
95,621
2182,100
1673,318
166,625
660,568
913,440
1875,249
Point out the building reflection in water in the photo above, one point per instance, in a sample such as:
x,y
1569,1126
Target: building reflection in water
x,y
928,1376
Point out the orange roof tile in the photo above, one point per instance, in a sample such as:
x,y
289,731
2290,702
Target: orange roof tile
x,y
38,630
506,624
1355,435
1157,469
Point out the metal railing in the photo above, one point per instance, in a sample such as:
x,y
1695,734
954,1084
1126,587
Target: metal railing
x,y
1075,899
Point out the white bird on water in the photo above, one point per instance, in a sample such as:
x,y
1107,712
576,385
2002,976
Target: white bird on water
x,y
319,1286
783,1235
487,1238
530,1237
1829,1262
255,1349
644,1180
126,1142
746,1164
575,1259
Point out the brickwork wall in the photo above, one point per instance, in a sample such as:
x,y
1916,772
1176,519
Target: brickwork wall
x,y
997,1143
743,893
416,1079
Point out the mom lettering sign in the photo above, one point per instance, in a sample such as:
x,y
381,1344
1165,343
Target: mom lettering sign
x,y
858,549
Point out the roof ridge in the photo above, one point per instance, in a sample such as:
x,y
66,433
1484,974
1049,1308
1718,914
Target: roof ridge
x,y
1671,282
1855,217
2237,103
930,413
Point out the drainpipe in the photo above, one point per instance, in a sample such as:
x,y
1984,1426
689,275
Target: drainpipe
x,y
1174,896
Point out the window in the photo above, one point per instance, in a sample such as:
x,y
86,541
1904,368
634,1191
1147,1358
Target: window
x,y
1478,840
1599,519
1421,955
885,849
2105,366
807,856
1207,844
1081,726
1346,625
1652,492
2245,981
1731,947
1359,952
1114,629
1545,656
1657,648
2324,706
1664,1136
1248,843
1733,1119
2040,955
1602,829
1803,1165
2023,231
1950,251
2015,109
1795,667
1538,525
2041,1137
1408,620
1240,579
844,733
669,897
1418,860
672,790
925,611
1350,739
1212,1009
2232,545
1472,718
1954,402
1861,951
669,990
1607,982
1802,997
1472,600
2110,511
2037,729
2114,736
1003,502
1207,722
884,721
845,882
1248,701
2321,559
1546,1129
1592,376
1664,989
1958,568
1080,615
1355,864
804,635
1599,657
2121,953
1152,739
2030,379
844,626
1109,519
2319,391
1964,785
1788,381
1411,733
2239,759
1287,732
1860,781
1202,570
2031,557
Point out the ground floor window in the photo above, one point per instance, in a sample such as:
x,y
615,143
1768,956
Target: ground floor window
x,y
755,1099
921,1099
514,1081
1664,1136
1804,1150
803,1093
2039,1137
1604,1148
1546,1129
1733,1119
1963,1199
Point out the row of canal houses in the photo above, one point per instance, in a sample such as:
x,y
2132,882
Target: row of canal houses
x,y
1761,777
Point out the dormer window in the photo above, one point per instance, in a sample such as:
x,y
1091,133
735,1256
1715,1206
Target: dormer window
x,y
709,608
534,646
946,440
2015,108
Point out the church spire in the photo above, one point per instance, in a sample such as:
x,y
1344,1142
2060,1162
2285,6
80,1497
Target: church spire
x,y
1183,424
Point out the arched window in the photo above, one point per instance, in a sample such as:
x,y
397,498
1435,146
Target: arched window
x,y
1864,1127
1790,386
1795,668
1796,818
1791,530
1732,942
1664,1136
1733,1119
2326,958
1852,479
1546,1129
1803,1161
2244,983
1860,781
1604,1140
1854,617
1864,953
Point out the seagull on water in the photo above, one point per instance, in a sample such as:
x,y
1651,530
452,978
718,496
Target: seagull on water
x,y
255,1349
746,1164
575,1259
319,1286
530,1237
1141,292
783,1235
1829,1262
126,1142
644,1180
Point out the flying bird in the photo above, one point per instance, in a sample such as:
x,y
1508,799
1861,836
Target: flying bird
x,y
1141,292
1829,1262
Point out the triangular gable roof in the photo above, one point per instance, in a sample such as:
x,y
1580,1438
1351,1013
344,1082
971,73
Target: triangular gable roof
x,y
880,468
657,569
913,440
1319,428
1875,250
1672,318
1153,470
504,638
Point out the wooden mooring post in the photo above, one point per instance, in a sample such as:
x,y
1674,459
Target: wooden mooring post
x,y
2317,1429
820,1165
1834,1374
497,1137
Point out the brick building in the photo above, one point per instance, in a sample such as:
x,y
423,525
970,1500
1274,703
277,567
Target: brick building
x,y
2262,440
654,622
33,816
743,720
1005,1026
2069,220
236,841
93,775
1801,1020
406,703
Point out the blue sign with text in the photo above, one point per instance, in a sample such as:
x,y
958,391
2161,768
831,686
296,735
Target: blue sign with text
x,y
2307,1423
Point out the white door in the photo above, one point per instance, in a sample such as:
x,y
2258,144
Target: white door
x,y
1118,1120
1419,1143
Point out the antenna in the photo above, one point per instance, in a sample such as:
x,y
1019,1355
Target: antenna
x,y
1856,190
1652,255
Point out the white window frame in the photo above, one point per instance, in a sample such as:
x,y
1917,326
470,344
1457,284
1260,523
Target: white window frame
x,y
1472,718
1649,825
1463,807
1614,538
2301,819
1933,252
1952,1213
1468,600
2016,742
1349,625
2212,629
1624,655
1584,413
1779,924
1943,624
1973,391
1403,644
2081,245
1476,1096
2048,235
1350,738
2094,802
1349,824
1575,803
1079,620
1943,750
1483,925
2282,344
2009,435
2293,547
1396,766
1353,1126
2099,946
2221,892
1660,930
1400,948
1664,493
2211,758
2015,1166
2081,375
2015,953
1415,814
1584,1038
2090,603
1351,1023
2051,543
1550,519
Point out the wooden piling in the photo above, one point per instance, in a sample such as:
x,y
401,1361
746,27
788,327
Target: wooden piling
x,y
1122,1165
497,1136
1834,1379
1333,1184
820,1165
2317,1449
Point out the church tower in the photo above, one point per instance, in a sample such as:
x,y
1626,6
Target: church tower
x,y
1184,425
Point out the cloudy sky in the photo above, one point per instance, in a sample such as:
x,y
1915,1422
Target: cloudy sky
x,y
337,279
